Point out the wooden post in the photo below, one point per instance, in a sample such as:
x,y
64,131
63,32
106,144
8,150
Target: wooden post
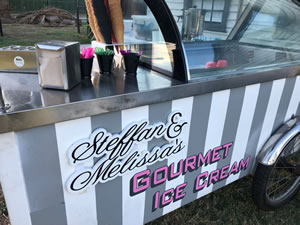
x,y
78,22
1,30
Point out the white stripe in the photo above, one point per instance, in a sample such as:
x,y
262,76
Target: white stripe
x,y
244,127
215,129
80,207
294,103
270,116
133,207
12,180
185,106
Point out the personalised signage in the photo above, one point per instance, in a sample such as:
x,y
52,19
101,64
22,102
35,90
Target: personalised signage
x,y
117,153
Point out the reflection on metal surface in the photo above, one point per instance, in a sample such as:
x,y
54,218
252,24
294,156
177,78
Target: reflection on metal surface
x,y
271,156
23,92
2,104
270,148
171,34
239,57
3,107
155,56
131,84
107,94
192,23
33,106
21,100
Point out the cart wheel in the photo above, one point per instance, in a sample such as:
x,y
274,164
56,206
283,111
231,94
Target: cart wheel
x,y
274,186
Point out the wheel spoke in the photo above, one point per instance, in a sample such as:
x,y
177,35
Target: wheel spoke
x,y
284,161
278,174
281,167
285,178
282,188
279,187
281,179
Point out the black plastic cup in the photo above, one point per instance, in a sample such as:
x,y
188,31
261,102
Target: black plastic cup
x,y
105,63
86,68
131,61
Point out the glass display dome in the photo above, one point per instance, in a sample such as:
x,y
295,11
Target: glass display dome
x,y
208,39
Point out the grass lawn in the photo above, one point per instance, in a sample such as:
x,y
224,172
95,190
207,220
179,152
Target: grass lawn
x,y
3,211
28,35
230,205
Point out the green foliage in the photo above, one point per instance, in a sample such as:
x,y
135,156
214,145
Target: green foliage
x,y
101,51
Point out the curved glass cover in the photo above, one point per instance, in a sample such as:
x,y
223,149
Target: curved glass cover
x,y
151,31
227,37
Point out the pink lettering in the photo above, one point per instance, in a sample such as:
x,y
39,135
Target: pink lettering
x,y
244,165
156,201
203,176
234,169
179,194
168,193
227,146
213,177
216,154
224,174
143,183
164,171
190,163
204,161
172,174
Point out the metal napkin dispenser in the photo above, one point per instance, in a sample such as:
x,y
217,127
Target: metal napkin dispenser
x,y
58,64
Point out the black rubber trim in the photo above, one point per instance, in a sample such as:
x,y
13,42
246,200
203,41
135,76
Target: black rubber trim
x,y
170,32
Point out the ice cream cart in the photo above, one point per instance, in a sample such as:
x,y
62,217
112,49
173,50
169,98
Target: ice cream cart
x,y
211,103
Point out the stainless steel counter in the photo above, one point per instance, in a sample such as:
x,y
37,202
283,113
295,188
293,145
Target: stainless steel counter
x,y
23,92
32,106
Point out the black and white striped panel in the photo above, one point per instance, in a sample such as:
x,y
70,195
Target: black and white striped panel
x,y
34,165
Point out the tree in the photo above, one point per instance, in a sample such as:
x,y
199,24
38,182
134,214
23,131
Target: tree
x,y
4,8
